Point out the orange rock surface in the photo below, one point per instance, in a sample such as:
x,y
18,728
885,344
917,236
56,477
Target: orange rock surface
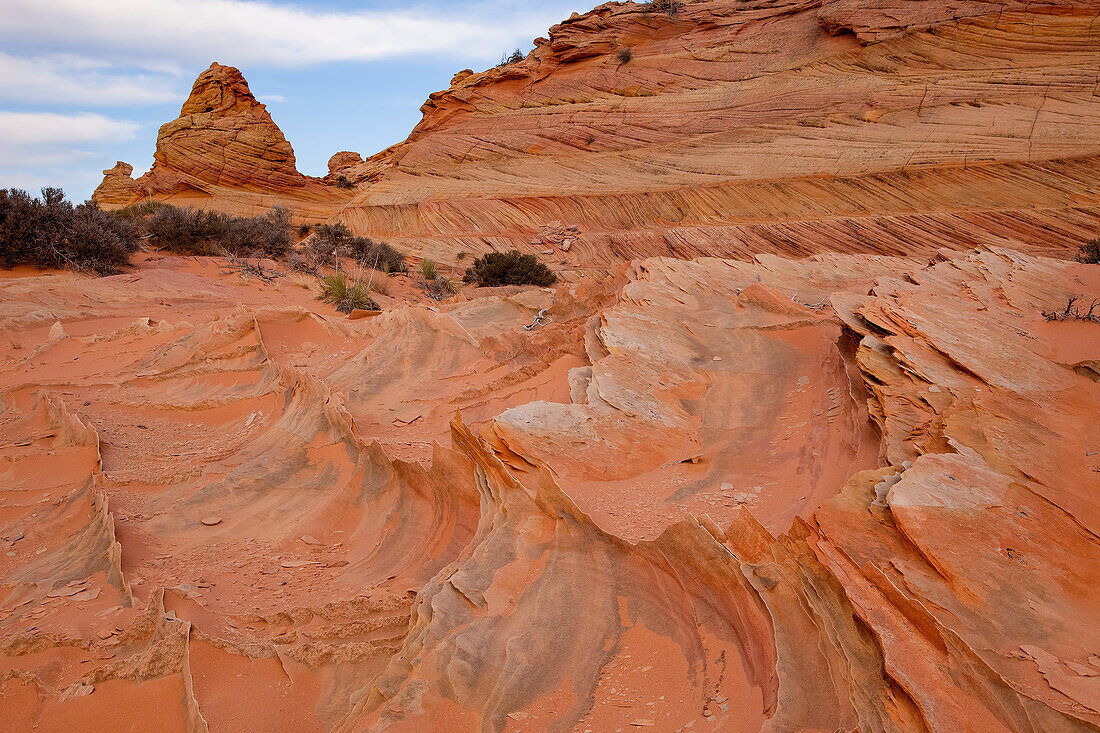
x,y
786,126
720,490
842,493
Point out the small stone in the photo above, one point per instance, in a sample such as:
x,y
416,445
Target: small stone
x,y
211,521
310,540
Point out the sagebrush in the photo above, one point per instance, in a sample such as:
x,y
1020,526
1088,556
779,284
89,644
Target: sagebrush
x,y
331,240
51,232
1090,253
192,231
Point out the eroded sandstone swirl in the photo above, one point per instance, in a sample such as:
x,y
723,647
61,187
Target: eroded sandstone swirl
x,y
839,493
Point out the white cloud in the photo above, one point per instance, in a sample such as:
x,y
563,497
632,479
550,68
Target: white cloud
x,y
27,129
43,149
65,79
263,33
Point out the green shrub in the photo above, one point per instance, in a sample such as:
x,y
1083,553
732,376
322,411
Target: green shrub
x,y
509,268
196,232
1090,253
336,289
51,232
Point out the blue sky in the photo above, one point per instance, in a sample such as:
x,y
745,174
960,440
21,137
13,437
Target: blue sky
x,y
83,84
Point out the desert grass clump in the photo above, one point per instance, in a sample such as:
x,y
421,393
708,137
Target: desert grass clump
x,y
192,231
346,296
52,233
509,268
1090,253
429,269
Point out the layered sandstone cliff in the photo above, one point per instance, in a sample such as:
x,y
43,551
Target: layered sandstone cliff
x,y
739,127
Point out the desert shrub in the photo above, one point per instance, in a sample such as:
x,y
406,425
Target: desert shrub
x,y
329,238
671,8
441,287
51,232
428,269
196,232
1090,253
138,211
343,182
624,55
511,58
304,230
336,289
509,268
1074,311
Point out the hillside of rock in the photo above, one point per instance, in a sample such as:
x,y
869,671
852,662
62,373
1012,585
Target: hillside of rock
x,y
727,128
788,126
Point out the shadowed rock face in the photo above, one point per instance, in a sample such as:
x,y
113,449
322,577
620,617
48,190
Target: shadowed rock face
x,y
839,493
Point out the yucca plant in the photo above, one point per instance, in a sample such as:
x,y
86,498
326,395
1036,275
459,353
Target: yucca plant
x,y
336,289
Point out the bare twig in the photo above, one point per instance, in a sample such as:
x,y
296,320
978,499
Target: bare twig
x,y
244,267
1074,312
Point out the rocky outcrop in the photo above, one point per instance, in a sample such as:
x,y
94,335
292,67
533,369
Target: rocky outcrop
x,y
225,137
223,152
343,160
734,128
726,128
117,188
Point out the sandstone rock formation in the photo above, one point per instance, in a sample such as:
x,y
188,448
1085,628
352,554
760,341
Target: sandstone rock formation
x,y
117,188
840,493
856,491
223,152
343,160
744,127
731,128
